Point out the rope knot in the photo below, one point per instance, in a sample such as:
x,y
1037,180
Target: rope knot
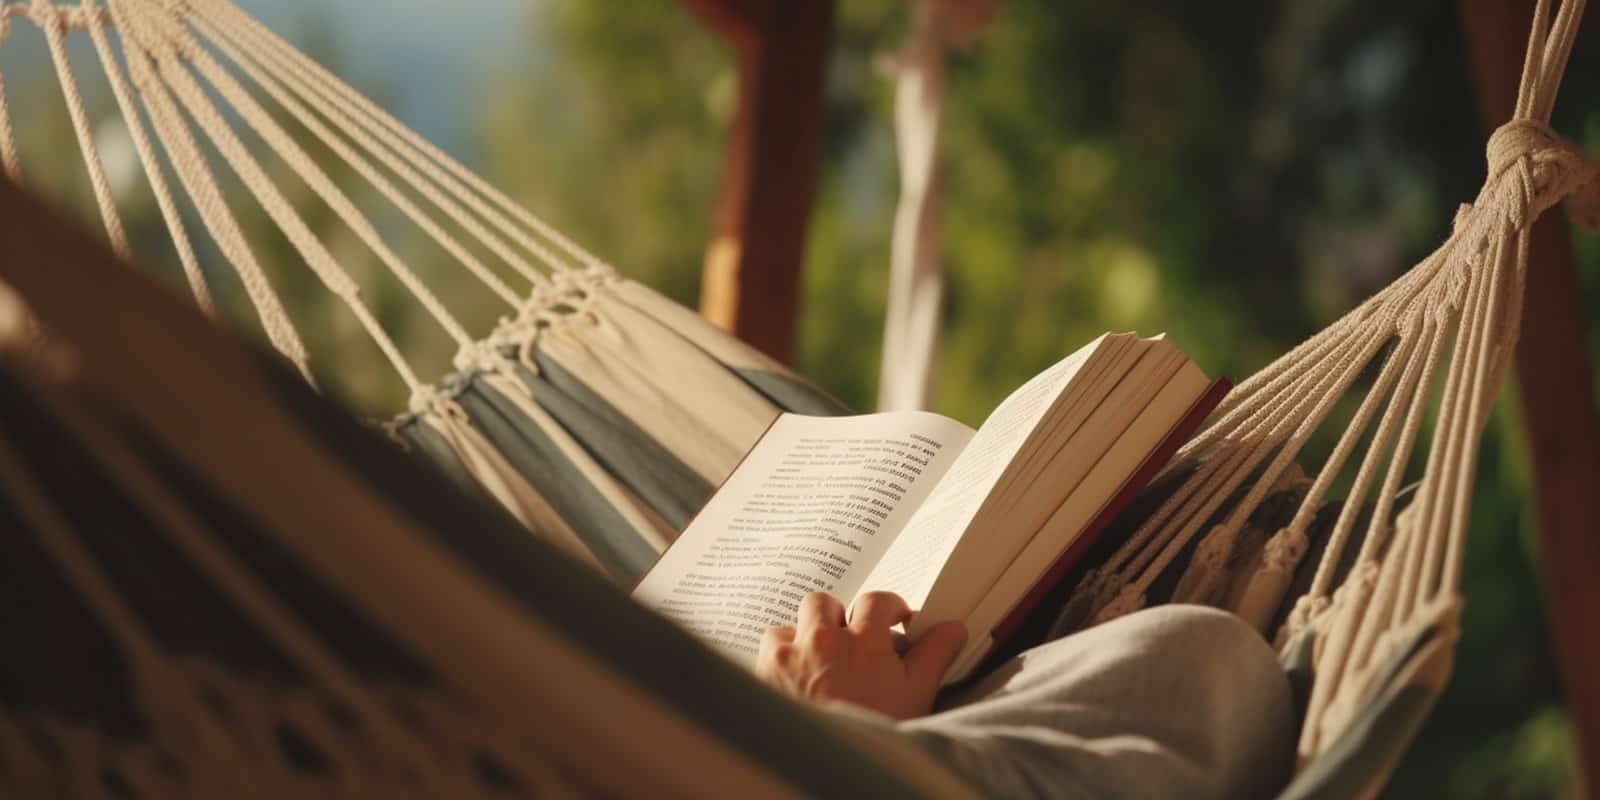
x,y
1284,551
601,272
1518,138
47,17
570,284
85,17
1531,168
424,398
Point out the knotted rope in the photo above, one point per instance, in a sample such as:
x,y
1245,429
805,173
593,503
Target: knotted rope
x,y
1531,169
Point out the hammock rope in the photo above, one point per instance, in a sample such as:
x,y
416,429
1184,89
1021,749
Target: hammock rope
x,y
574,311
8,138
455,177
154,174
298,91
1460,309
49,18
599,414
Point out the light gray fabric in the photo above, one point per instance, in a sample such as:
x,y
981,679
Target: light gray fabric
x,y
1173,701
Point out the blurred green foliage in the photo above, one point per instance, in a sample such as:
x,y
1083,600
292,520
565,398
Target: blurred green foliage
x,y
1236,179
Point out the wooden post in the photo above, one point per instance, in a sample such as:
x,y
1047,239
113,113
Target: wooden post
x,y
751,282
1554,376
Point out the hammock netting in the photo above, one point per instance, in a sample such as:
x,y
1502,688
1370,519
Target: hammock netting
x,y
236,588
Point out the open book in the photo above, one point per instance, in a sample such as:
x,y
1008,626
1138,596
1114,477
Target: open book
x,y
964,524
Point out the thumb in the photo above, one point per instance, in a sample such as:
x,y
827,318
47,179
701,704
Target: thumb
x,y
927,660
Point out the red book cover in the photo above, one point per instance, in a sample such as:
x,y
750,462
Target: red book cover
x,y
1146,472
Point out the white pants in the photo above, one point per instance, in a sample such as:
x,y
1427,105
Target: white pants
x,y
1170,702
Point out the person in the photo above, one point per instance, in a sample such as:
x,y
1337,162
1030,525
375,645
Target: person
x,y
1173,701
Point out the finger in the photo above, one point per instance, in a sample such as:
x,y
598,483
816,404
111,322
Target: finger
x,y
767,661
820,610
770,641
928,659
879,611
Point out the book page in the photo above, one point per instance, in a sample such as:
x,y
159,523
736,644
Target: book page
x,y
1108,475
813,507
1100,376
996,534
910,568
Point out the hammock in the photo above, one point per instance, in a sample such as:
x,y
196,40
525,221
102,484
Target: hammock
x,y
227,604
596,406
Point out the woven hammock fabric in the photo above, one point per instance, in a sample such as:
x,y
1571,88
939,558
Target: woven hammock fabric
x,y
547,414
240,591
598,412
1446,328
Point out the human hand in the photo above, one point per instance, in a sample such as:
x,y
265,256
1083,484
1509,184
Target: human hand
x,y
822,658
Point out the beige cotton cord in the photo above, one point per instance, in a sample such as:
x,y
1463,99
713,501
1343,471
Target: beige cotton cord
x,y
1530,169
1456,312
152,167
196,177
1406,404
50,19
464,182
1290,544
302,164
290,91
8,138
1290,433
368,171
1170,530
158,38
356,121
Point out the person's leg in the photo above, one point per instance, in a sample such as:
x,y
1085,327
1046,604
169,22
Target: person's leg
x,y
1174,701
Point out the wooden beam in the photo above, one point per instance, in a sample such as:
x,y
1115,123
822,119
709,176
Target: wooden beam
x,y
1555,378
751,281
740,21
